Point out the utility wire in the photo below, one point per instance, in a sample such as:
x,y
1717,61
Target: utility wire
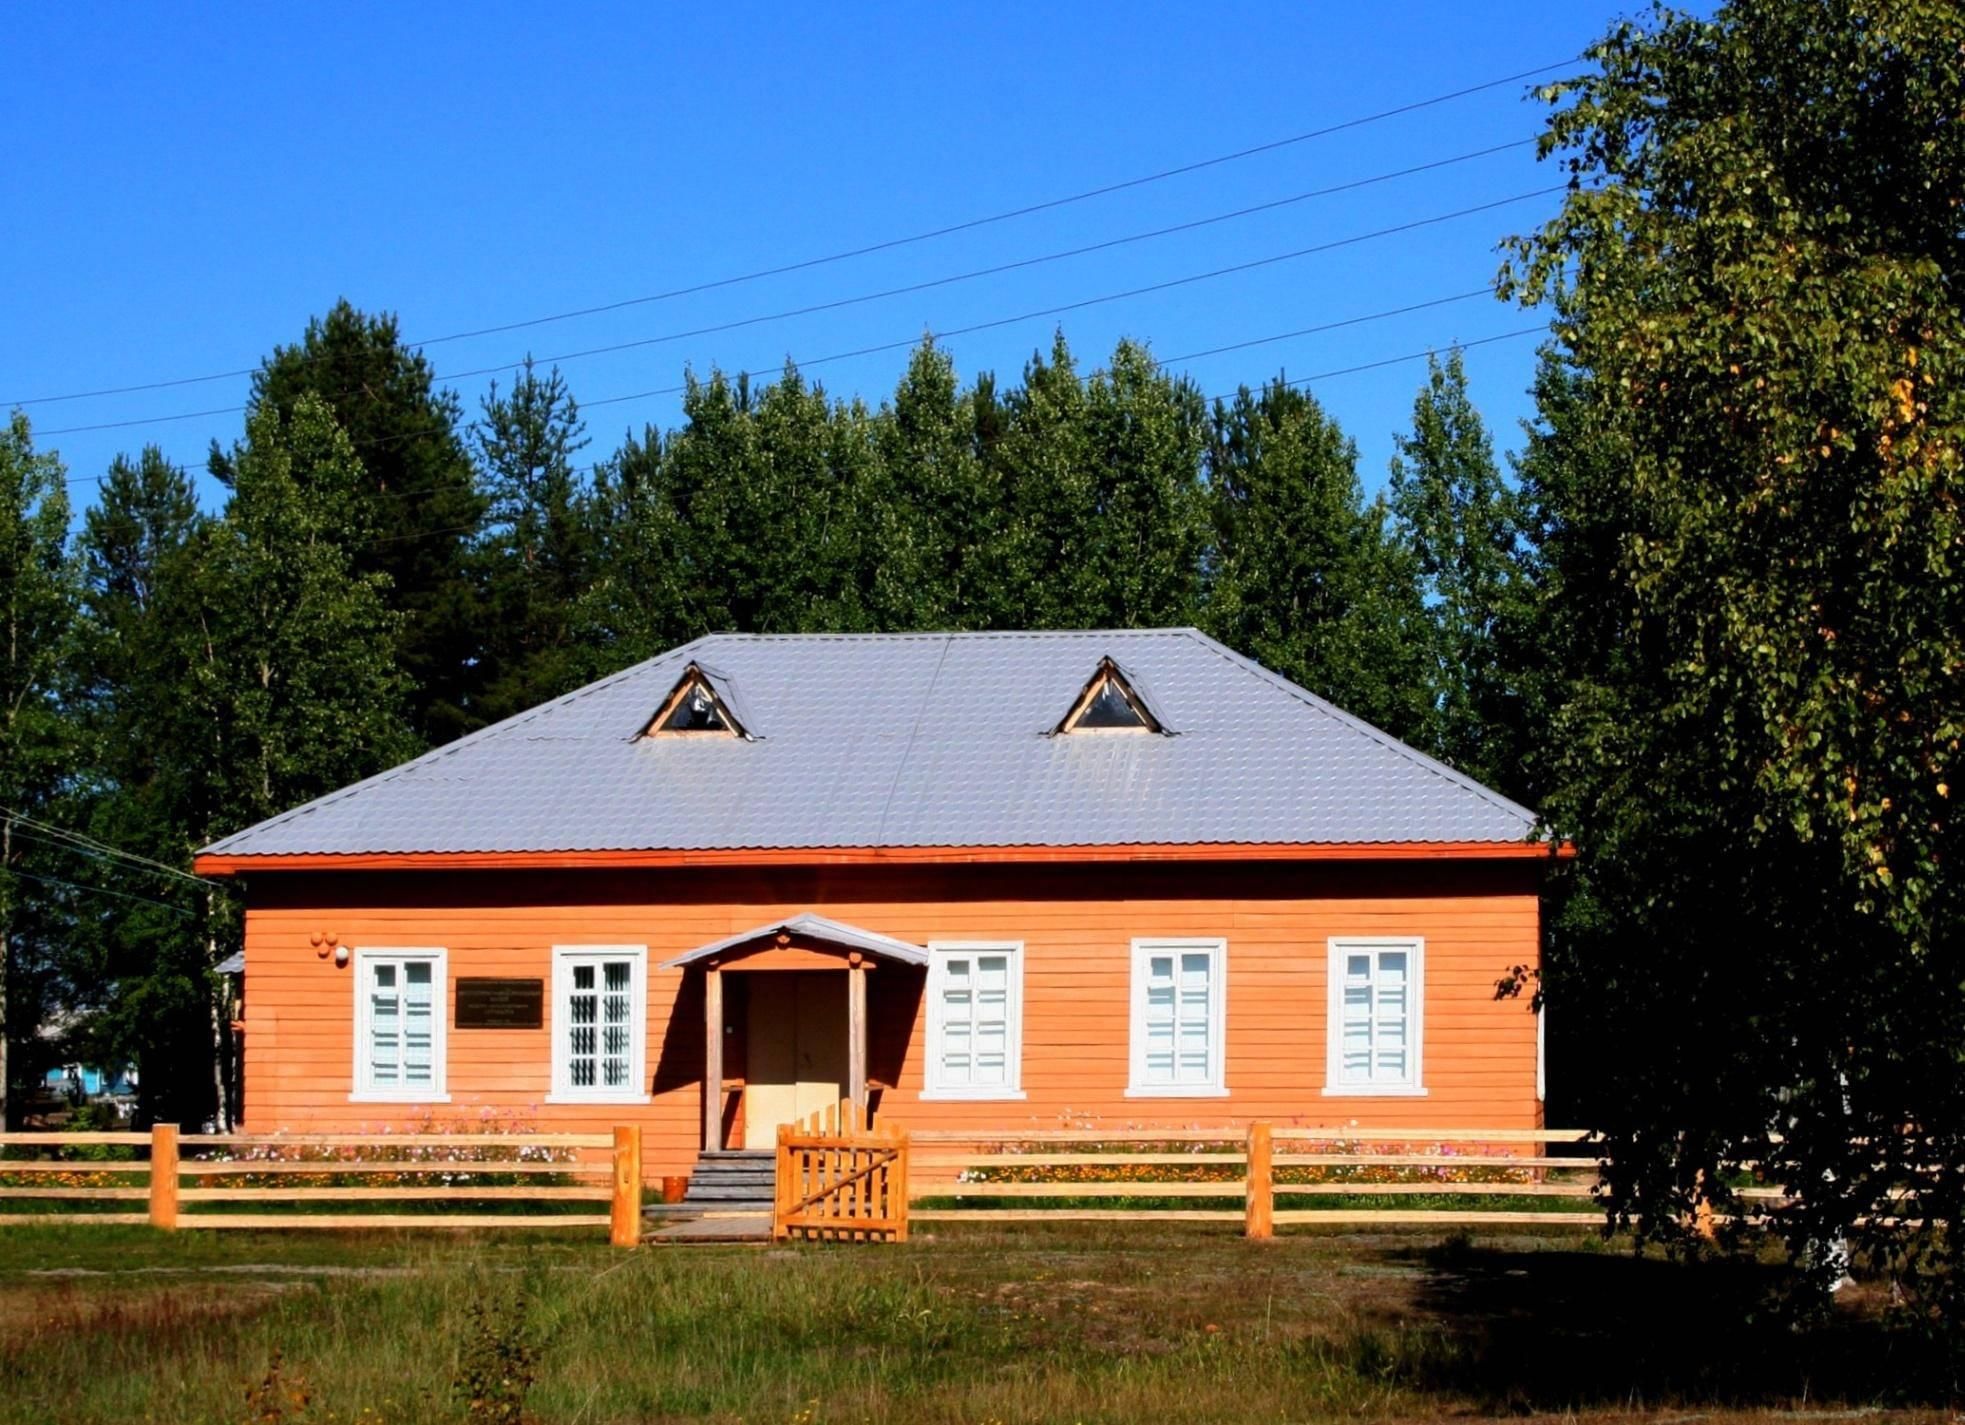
x,y
49,831
1129,292
1515,335
101,891
884,245
931,283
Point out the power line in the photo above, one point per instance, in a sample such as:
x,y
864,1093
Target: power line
x,y
60,835
1327,326
1515,335
1148,289
884,245
944,281
1000,268
101,891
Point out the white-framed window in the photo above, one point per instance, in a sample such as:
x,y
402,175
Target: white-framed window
x,y
600,1024
1377,1015
975,1019
1178,1028
401,1006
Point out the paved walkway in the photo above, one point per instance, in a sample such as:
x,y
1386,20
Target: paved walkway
x,y
731,1227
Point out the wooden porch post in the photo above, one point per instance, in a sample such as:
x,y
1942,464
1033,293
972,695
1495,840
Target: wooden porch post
x,y
712,1059
856,1035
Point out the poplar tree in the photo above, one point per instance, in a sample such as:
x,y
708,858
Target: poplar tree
x,y
1145,438
416,481
1305,576
140,973
932,513
1459,518
1041,447
38,600
536,550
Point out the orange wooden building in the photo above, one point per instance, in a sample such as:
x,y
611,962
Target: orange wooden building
x,y
996,882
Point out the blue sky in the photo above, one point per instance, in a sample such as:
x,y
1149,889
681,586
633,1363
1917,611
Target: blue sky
x,y
188,184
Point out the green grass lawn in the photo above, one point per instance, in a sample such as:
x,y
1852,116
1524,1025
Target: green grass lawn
x,y
982,1323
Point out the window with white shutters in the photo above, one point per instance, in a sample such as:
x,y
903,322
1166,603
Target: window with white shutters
x,y
1177,1030
400,1009
975,1034
600,1011
1375,1016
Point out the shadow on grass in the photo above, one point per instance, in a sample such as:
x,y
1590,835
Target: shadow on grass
x,y
1528,1329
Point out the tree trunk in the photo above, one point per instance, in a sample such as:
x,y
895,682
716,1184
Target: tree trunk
x,y
6,955
220,1000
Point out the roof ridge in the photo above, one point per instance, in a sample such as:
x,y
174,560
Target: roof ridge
x,y
1376,734
456,745
1169,631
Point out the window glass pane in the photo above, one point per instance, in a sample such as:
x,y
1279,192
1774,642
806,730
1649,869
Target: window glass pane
x,y
1109,708
402,1024
696,711
1375,1018
973,1009
1179,1026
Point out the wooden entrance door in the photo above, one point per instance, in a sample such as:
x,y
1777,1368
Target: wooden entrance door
x,y
795,1049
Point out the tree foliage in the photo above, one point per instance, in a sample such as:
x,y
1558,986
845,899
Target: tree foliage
x,y
414,480
38,602
1461,522
1306,577
1748,483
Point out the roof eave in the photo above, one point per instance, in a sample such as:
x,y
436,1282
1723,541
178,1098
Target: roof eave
x,y
221,866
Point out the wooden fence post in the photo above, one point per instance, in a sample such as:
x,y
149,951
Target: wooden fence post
x,y
897,1196
163,1176
781,1198
1259,1220
625,1222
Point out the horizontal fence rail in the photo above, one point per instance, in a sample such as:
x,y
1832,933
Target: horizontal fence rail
x,y
284,1180
1264,1176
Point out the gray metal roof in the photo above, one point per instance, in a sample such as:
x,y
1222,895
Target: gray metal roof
x,y
811,927
901,740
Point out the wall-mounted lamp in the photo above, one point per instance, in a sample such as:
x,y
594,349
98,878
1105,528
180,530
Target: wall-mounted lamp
x,y
341,955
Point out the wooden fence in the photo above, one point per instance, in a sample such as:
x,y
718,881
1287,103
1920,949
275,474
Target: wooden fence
x,y
1265,1177
304,1171
839,1180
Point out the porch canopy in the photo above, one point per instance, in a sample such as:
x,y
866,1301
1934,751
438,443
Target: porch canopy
x,y
801,942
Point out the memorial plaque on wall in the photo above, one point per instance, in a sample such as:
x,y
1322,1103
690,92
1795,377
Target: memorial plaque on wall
x,y
500,1004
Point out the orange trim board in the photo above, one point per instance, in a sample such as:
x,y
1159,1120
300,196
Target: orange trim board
x,y
223,865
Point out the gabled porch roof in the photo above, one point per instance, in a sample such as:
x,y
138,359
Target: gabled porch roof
x,y
809,928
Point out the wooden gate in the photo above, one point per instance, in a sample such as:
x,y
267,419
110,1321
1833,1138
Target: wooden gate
x,y
839,1180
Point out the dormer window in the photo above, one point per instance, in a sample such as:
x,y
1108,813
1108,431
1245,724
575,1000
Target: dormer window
x,y
694,709
1109,703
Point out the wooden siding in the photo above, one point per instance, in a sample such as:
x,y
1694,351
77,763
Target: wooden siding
x,y
1076,924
